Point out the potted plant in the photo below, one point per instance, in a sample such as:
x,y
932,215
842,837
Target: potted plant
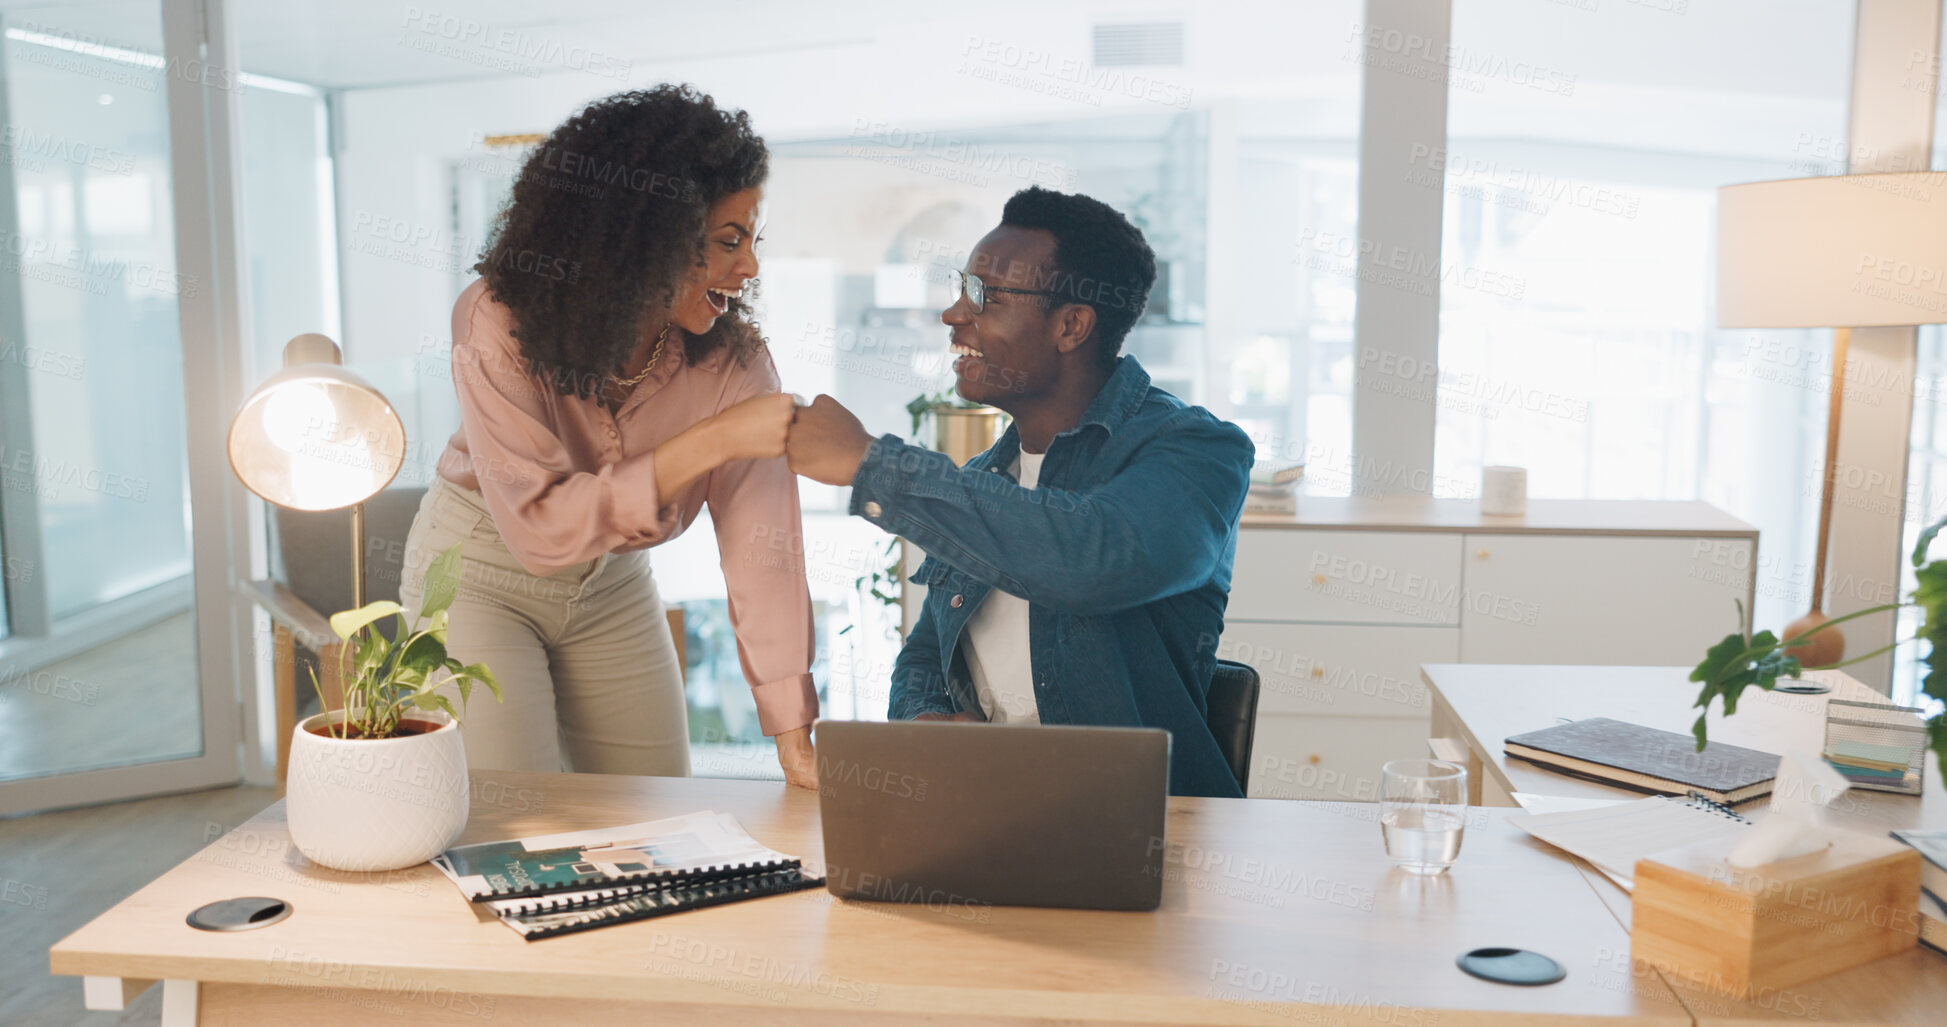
x,y
1744,659
961,430
381,784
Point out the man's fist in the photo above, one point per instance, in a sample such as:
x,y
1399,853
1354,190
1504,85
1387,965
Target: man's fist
x,y
827,443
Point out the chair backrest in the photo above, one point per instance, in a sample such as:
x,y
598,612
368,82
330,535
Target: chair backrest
x,y
1232,713
315,550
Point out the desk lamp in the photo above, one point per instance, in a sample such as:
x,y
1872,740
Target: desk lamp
x,y
317,437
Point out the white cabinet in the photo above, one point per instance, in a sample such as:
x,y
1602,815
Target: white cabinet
x,y
1595,599
1339,670
1350,577
1338,607
1292,758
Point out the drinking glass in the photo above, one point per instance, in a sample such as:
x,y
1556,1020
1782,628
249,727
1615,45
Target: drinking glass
x,y
1423,810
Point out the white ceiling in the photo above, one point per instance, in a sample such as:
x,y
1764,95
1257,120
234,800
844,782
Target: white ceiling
x,y
1765,47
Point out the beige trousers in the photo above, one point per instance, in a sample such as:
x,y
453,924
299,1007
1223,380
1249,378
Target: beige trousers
x,y
583,655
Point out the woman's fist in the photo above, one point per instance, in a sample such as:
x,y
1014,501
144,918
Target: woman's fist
x,y
756,428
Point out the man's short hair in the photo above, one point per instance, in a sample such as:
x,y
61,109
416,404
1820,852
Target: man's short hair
x,y
1100,258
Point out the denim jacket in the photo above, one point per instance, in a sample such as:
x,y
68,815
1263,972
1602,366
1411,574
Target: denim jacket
x,y
1123,553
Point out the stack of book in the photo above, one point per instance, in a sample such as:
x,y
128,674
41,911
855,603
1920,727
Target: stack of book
x,y
1933,885
560,883
1869,764
1274,489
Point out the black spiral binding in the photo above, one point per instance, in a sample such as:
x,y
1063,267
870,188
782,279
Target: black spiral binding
x,y
681,897
1709,805
628,883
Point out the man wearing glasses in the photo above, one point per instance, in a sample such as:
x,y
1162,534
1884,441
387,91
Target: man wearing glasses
x,y
1077,572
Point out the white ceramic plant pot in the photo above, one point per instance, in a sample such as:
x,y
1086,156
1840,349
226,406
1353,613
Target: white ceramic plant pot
x,y
376,804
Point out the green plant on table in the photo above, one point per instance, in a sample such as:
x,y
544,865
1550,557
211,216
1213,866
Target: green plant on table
x,y
944,398
1744,659
387,677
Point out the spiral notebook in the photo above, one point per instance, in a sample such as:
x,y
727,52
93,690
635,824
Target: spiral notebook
x,y
606,858
548,916
1614,837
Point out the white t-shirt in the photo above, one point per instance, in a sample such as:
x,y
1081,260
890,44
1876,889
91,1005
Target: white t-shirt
x,y
997,640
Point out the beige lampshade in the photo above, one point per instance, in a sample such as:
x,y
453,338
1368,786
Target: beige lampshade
x,y
315,436
1843,251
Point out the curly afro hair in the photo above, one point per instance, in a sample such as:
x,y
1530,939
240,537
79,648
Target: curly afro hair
x,y
1100,258
606,218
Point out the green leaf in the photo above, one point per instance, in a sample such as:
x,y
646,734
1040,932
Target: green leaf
x,y
1734,664
424,653
351,620
1717,658
480,673
1926,539
442,582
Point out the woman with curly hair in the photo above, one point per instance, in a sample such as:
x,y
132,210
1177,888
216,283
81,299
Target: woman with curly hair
x,y
611,383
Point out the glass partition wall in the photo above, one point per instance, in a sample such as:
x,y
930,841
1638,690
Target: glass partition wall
x,y
101,661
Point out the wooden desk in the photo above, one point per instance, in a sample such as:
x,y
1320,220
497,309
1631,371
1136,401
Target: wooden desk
x,y
1273,913
1477,706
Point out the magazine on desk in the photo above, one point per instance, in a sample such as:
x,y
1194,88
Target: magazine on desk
x,y
552,884
581,861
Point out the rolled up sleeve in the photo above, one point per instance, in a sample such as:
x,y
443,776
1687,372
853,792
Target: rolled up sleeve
x,y
550,515
760,540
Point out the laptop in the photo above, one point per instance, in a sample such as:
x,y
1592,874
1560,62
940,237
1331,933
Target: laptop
x,y
961,815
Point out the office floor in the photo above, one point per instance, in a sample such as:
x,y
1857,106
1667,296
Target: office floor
x,y
63,869
133,699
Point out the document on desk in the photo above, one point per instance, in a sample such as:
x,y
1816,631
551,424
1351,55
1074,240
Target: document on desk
x,y
1614,837
604,858
557,884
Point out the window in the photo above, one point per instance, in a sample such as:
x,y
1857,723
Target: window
x,y
1577,326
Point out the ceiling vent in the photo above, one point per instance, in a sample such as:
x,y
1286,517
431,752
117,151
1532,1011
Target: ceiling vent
x,y
1139,43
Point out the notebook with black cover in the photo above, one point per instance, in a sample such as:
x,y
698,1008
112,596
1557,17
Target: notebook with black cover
x,y
1647,760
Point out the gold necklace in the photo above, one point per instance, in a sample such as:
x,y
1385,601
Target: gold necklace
x,y
661,337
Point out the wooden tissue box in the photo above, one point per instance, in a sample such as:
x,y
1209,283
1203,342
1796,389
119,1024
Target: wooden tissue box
x,y
1739,931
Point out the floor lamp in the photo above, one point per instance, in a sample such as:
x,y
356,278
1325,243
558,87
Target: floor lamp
x,y
317,437
1840,252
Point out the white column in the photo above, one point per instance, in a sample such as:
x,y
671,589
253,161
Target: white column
x,y
207,171
1396,319
1889,128
1223,281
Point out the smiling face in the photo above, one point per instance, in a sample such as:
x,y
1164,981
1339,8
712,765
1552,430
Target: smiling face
x,y
1007,351
729,261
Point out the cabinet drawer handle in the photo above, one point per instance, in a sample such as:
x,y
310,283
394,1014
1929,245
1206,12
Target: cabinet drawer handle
x,y
1480,554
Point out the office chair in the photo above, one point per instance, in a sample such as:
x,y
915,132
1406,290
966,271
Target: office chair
x,y
1232,712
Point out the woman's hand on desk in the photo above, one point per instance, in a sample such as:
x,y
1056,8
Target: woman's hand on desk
x,y
799,760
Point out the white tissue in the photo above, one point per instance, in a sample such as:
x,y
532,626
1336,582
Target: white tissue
x,y
1804,784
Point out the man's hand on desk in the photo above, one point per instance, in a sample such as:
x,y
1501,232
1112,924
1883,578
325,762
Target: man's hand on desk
x,y
799,760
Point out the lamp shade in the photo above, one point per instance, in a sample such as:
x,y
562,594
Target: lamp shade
x,y
315,436
1842,251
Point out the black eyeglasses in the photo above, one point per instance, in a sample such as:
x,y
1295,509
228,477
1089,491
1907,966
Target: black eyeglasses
x,y
976,290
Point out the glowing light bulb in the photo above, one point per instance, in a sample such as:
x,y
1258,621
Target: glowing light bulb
x,y
299,417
